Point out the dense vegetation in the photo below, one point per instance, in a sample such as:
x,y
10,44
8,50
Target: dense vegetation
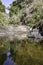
x,y
24,12
3,16
27,12
2,7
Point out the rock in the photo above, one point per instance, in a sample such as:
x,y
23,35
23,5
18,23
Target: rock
x,y
20,32
11,32
35,35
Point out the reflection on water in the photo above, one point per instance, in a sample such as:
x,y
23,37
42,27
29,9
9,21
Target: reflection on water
x,y
23,52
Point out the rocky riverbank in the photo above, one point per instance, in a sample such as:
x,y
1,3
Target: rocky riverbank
x,y
20,32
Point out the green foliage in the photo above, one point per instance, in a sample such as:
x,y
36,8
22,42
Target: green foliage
x,y
2,7
36,15
3,18
19,9
3,15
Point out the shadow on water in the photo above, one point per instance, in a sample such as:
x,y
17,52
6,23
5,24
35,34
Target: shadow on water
x,y
2,58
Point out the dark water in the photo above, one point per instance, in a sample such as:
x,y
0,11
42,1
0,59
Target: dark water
x,y
23,52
